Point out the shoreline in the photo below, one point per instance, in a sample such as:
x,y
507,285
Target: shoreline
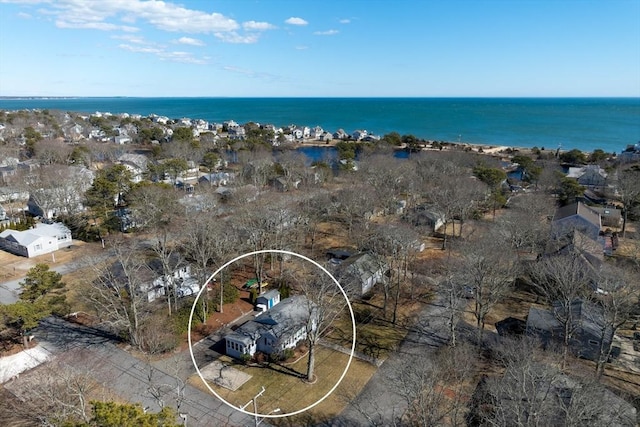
x,y
514,122
488,149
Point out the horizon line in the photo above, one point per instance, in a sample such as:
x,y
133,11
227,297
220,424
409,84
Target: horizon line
x,y
22,97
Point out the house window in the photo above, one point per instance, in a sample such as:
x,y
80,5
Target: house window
x,y
37,247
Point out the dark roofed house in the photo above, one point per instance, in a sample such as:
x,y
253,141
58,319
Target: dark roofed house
x,y
587,323
609,216
576,216
273,331
544,396
590,176
218,179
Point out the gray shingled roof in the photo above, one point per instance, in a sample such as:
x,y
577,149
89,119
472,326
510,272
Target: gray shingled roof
x,y
579,209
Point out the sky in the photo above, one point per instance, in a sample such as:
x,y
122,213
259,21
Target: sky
x,y
320,48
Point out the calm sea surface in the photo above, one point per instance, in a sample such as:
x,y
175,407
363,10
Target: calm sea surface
x,y
584,123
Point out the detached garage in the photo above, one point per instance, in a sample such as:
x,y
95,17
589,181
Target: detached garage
x,y
43,239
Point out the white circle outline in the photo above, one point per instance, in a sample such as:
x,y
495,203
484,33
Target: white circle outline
x,y
353,341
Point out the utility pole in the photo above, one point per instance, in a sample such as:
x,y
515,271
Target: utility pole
x,y
255,406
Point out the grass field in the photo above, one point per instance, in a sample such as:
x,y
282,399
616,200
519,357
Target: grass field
x,y
288,391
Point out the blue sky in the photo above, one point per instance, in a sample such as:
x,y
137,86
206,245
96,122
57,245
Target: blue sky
x,y
325,48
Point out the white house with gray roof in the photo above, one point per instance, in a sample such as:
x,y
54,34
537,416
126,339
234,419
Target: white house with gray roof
x,y
281,327
43,239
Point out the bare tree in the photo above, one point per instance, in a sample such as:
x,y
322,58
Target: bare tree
x,y
525,225
155,208
388,177
355,205
51,151
398,244
208,241
448,188
435,389
313,211
324,304
167,389
57,189
118,292
532,391
490,272
629,192
452,287
618,298
59,391
563,279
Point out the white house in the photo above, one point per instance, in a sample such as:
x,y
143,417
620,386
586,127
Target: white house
x,y
122,139
158,283
136,164
316,132
43,239
359,134
360,272
281,327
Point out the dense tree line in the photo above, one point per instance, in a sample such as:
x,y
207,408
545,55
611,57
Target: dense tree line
x,y
494,240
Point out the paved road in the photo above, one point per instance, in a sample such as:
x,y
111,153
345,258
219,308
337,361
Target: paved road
x,y
10,289
129,377
378,404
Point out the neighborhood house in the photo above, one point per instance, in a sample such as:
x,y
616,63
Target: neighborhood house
x,y
43,239
180,277
587,323
281,327
359,273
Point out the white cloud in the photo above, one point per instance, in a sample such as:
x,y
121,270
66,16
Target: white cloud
x,y
302,47
233,37
164,55
184,57
140,49
24,15
345,21
102,26
122,15
296,21
108,15
189,41
326,33
257,26
25,1
130,38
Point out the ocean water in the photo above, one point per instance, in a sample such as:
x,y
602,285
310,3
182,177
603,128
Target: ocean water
x,y
583,123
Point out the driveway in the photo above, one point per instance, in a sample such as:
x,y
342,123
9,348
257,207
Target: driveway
x,y
14,268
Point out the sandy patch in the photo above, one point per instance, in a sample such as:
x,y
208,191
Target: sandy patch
x,y
11,366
